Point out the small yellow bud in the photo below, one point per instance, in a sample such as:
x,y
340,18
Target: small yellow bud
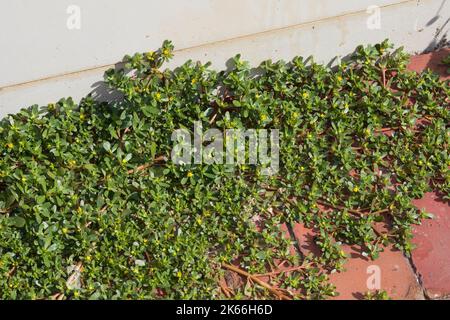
x,y
190,174
72,163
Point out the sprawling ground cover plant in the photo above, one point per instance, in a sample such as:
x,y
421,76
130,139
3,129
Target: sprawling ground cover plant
x,y
92,207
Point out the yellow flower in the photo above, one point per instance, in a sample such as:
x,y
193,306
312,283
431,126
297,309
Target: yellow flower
x,y
190,174
355,189
199,221
305,95
88,258
263,117
24,179
9,145
166,52
339,78
179,274
420,162
65,230
72,163
158,96
82,116
194,81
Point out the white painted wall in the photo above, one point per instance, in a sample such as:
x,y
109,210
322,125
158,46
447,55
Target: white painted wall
x,y
42,60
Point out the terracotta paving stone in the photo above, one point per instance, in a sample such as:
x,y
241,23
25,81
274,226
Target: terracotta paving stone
x,y
432,239
432,61
396,274
431,258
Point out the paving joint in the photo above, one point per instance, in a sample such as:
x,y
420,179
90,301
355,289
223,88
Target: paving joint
x,y
418,277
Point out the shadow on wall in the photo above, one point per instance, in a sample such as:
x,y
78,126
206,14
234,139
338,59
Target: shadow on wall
x,y
440,37
102,92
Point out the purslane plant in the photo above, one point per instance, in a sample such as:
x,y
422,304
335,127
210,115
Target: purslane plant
x,y
92,207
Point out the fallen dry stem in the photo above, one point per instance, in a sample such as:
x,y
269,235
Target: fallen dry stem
x,y
256,280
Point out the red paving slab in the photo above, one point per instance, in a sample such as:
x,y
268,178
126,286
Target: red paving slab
x,y
431,258
432,239
390,272
431,61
